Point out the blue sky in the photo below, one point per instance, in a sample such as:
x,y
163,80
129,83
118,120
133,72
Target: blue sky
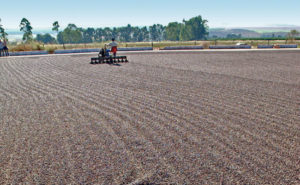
x,y
101,13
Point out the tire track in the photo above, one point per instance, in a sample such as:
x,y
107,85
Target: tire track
x,y
258,111
56,87
49,89
21,83
79,92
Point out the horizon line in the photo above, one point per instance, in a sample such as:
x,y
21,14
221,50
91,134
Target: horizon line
x,y
214,27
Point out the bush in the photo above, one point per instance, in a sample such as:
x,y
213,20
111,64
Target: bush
x,y
37,46
51,50
205,45
21,47
32,46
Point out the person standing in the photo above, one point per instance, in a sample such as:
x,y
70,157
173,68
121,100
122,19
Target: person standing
x,y
5,48
1,48
114,47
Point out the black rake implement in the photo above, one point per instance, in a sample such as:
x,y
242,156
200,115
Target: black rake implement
x,y
108,59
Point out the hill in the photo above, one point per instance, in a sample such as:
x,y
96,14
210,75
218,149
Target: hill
x,y
223,33
251,32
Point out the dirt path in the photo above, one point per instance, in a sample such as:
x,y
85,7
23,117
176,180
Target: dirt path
x,y
194,118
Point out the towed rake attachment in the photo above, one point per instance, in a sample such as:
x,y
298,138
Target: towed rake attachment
x,y
108,59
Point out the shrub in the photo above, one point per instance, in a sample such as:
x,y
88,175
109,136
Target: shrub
x,y
21,47
37,46
51,50
205,45
32,46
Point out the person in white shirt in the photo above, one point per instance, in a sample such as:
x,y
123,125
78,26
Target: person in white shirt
x,y
114,47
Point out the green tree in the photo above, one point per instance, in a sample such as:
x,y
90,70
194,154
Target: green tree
x,y
157,32
60,38
99,35
173,31
88,35
196,28
107,34
55,26
114,33
144,36
26,27
46,38
185,31
140,34
125,33
71,34
292,34
3,34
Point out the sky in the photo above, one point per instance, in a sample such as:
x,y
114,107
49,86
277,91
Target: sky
x,y
106,13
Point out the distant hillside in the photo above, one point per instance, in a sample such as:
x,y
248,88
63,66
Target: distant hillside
x,y
273,29
223,33
251,32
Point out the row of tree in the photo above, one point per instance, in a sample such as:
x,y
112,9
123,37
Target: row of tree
x,y
73,34
193,29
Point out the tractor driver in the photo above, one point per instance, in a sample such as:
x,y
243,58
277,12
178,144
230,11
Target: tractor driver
x,y
113,46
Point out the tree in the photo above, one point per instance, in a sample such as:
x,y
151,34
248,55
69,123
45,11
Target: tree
x,y
107,34
114,33
197,28
88,35
71,34
292,34
55,26
26,27
3,34
173,31
60,38
126,33
144,34
185,31
99,35
157,32
46,38
140,34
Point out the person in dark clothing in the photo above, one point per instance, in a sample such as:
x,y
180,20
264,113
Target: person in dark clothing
x,y
1,48
5,48
103,52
